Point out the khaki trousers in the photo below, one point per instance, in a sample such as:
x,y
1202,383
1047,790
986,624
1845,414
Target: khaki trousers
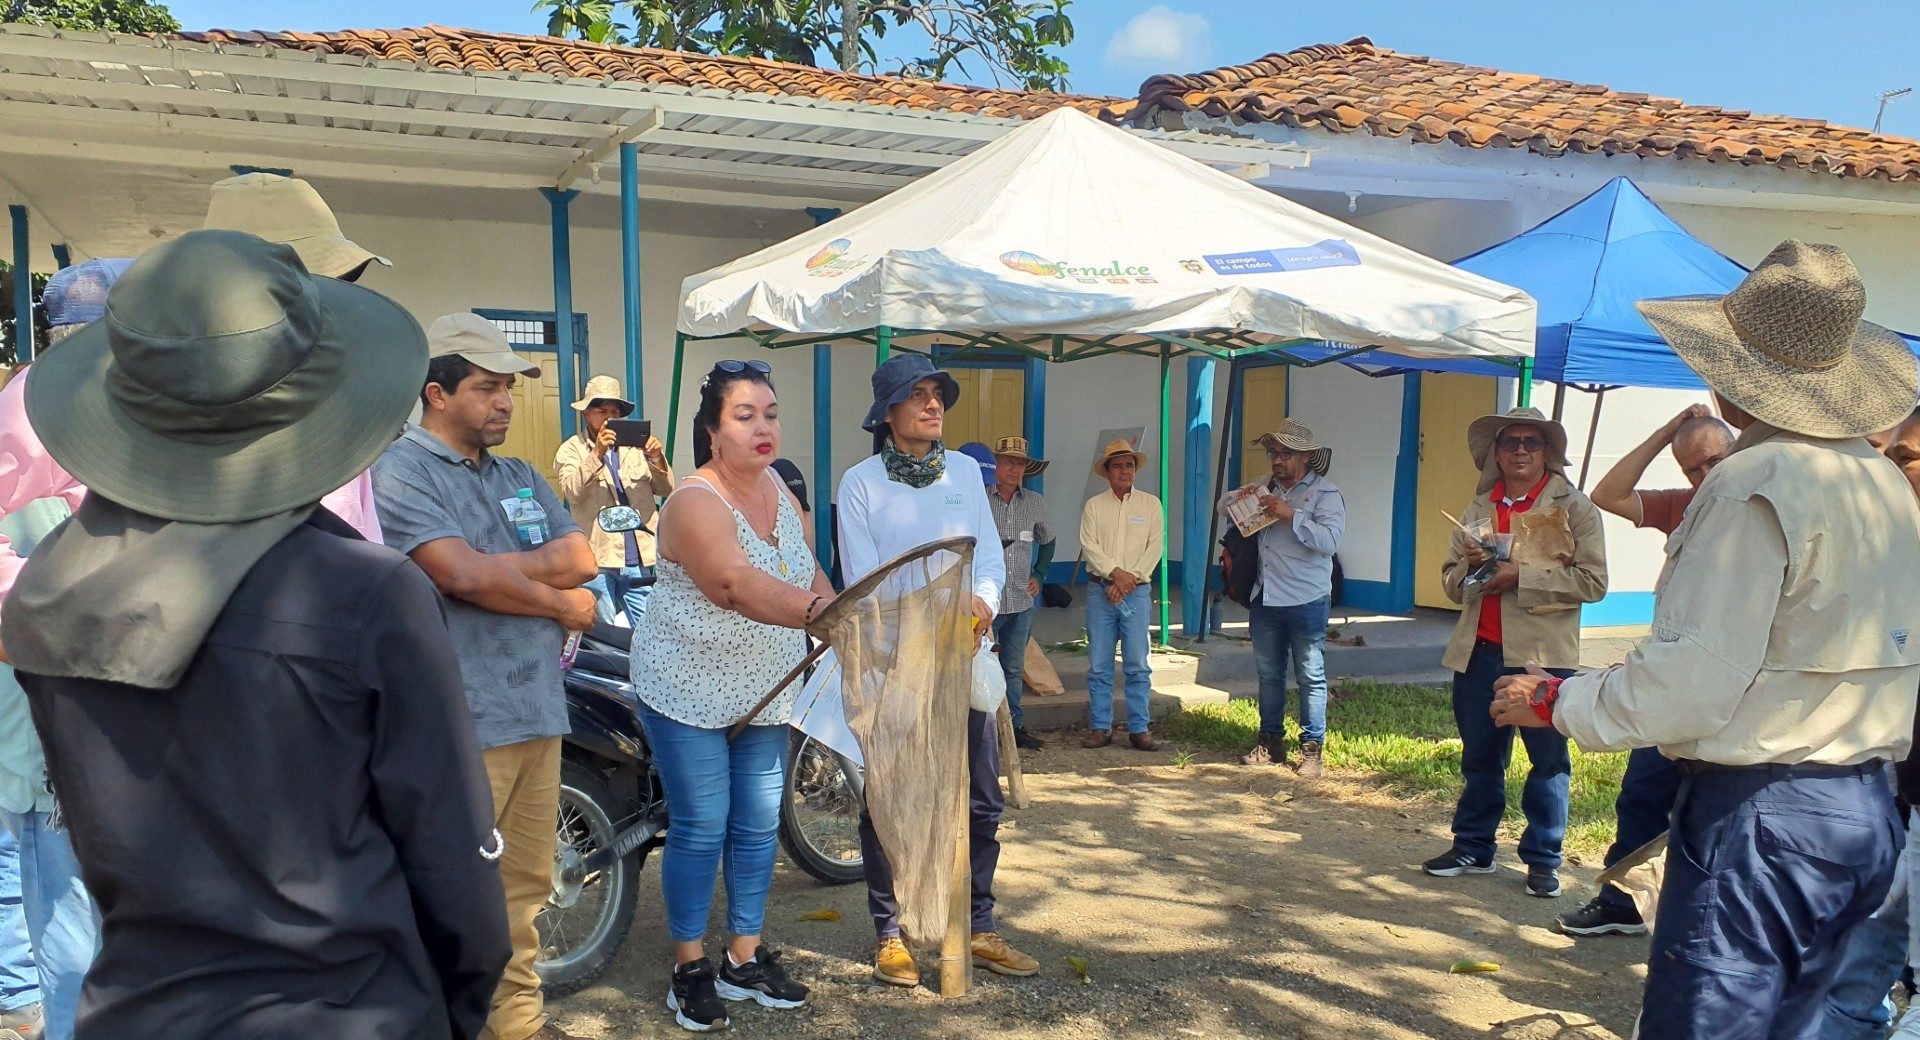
x,y
526,800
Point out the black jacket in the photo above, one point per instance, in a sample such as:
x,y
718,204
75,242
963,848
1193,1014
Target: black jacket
x,y
288,843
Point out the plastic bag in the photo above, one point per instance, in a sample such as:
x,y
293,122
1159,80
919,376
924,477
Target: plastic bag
x,y
989,682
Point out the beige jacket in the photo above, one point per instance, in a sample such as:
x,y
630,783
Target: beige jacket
x,y
1787,622
1540,619
587,486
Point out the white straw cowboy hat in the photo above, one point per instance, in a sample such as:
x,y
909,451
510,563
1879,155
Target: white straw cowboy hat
x,y
603,388
287,209
1788,347
1016,448
225,383
1297,437
1484,431
1116,450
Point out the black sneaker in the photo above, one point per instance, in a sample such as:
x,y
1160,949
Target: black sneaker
x,y
761,980
1456,862
1026,741
692,999
1601,917
1542,881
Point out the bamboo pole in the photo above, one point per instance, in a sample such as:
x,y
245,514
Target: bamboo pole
x,y
956,948
1010,759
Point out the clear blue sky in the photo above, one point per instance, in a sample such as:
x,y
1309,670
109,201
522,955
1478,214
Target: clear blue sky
x,y
1810,58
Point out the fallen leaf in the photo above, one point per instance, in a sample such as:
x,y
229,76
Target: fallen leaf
x,y
821,915
1079,966
1472,967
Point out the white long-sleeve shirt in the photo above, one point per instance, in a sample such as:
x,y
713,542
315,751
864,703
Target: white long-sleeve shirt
x,y
881,518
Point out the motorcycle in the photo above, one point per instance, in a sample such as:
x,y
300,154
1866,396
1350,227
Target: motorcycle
x,y
613,814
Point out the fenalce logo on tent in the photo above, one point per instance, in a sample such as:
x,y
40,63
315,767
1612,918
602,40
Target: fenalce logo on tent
x,y
1033,264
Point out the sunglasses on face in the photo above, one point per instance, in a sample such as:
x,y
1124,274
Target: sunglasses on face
x,y
1530,445
732,367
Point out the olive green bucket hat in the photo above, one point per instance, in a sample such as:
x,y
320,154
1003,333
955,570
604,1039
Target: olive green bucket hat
x,y
225,383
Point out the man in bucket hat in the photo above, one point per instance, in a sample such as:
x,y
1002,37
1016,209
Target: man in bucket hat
x,y
1526,612
250,713
1294,591
910,492
1121,540
1026,535
444,498
595,473
1783,662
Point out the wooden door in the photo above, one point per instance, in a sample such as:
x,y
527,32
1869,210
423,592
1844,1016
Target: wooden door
x,y
1447,477
992,405
1263,403
535,432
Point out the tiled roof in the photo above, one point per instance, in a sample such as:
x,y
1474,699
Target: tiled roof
x,y
1346,88
471,50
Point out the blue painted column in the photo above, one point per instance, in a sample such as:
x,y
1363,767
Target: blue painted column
x,y
630,270
1194,550
62,256
22,286
1406,496
822,431
563,303
1033,416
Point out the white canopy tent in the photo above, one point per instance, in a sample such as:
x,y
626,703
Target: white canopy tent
x,y
1069,239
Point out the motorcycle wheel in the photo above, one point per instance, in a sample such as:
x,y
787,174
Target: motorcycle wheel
x,y
587,916
820,812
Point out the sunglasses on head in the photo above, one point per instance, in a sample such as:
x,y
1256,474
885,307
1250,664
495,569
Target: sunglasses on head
x,y
1531,445
732,367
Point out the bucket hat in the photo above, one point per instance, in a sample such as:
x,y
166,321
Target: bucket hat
x,y
1484,431
1114,451
287,209
1016,448
894,380
1788,345
480,341
978,452
77,295
603,388
225,383
1297,437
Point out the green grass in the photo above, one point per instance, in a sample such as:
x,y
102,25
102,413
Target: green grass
x,y
1405,737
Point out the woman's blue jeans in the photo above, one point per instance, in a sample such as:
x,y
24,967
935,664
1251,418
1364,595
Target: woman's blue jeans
x,y
723,799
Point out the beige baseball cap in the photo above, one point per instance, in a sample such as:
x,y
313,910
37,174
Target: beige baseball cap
x,y
480,341
288,210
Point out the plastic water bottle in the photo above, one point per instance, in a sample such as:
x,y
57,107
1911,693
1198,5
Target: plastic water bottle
x,y
529,521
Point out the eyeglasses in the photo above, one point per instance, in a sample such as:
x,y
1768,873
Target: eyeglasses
x,y
1530,445
732,367
1283,454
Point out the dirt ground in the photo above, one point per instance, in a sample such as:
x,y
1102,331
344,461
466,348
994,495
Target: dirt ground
x,y
1208,901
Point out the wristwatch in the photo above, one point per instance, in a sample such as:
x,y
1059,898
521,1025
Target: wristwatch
x,y
1543,697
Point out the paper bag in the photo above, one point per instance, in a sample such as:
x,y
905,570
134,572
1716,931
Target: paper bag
x,y
1639,875
1037,675
1542,539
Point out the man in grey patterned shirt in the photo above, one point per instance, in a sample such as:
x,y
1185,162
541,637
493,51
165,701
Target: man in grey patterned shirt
x,y
1026,538
442,498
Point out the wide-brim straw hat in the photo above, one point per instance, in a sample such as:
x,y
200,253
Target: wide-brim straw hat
x,y
1298,437
1116,450
225,383
1484,431
288,210
1788,345
1017,448
603,388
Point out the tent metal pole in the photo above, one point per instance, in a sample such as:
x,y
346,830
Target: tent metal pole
x,y
882,345
1219,488
1526,382
1166,522
1559,401
673,392
1593,428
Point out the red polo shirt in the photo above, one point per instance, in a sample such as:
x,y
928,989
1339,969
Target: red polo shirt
x,y
1503,510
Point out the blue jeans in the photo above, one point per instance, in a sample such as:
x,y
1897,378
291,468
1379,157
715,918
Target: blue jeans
x,y
1485,751
1299,632
1127,624
615,591
1768,871
19,979
1012,631
724,800
62,923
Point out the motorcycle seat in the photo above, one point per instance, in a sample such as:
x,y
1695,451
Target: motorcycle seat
x,y
614,636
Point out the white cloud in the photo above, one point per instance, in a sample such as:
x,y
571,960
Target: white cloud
x,y
1160,39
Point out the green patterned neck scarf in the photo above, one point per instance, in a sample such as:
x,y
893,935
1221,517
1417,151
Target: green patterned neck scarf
x,y
914,473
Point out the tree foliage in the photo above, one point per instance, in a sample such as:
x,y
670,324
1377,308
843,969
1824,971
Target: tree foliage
x,y
128,16
1014,42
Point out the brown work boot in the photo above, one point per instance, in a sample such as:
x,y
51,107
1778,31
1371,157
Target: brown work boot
x,y
1310,765
1097,738
893,964
1262,753
1144,741
992,953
